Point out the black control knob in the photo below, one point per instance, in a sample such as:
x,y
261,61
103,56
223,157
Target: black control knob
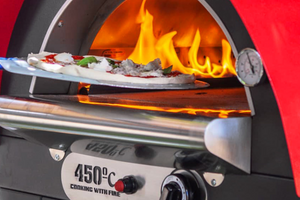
x,y
182,185
171,191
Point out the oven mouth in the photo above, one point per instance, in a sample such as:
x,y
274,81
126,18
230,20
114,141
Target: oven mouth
x,y
87,30
184,36
200,46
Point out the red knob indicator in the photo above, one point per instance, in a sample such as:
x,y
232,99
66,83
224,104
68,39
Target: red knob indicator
x,y
128,185
119,186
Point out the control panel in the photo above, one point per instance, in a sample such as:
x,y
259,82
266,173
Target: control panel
x,y
88,177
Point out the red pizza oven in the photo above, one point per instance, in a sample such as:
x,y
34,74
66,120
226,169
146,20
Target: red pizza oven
x,y
66,139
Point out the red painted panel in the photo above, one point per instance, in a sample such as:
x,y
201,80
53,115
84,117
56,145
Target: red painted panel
x,y
9,10
274,26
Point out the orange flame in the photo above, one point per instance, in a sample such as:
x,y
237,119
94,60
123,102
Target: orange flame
x,y
149,48
191,111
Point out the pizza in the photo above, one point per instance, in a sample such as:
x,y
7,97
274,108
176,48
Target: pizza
x,y
106,69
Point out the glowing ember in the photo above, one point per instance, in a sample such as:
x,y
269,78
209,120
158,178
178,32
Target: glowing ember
x,y
191,111
149,47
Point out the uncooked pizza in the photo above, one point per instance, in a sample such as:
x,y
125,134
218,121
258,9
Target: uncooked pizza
x,y
105,69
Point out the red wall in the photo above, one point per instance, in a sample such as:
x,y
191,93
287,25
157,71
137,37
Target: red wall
x,y
9,10
274,26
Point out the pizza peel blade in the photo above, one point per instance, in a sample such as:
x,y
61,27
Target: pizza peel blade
x,y
20,66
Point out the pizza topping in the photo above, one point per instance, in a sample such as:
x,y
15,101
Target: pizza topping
x,y
128,64
174,74
142,77
155,73
154,65
85,61
112,63
167,70
129,68
47,60
50,57
64,57
103,66
77,57
100,68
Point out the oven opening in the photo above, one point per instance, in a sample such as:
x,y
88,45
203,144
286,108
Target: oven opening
x,y
182,34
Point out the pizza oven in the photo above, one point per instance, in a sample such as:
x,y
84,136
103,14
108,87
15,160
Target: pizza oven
x,y
95,140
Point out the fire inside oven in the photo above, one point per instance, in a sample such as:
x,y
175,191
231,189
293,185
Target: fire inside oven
x,y
183,35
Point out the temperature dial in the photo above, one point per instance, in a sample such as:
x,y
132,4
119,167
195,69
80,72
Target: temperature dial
x,y
249,67
181,186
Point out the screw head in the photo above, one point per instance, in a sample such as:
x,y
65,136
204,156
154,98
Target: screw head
x,y
213,182
60,23
57,157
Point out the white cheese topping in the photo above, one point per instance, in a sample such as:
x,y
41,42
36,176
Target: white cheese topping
x,y
64,57
103,66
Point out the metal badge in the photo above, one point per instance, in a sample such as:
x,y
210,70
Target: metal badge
x,y
87,177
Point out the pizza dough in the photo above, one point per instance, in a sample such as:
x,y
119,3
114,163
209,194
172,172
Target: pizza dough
x,y
107,69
